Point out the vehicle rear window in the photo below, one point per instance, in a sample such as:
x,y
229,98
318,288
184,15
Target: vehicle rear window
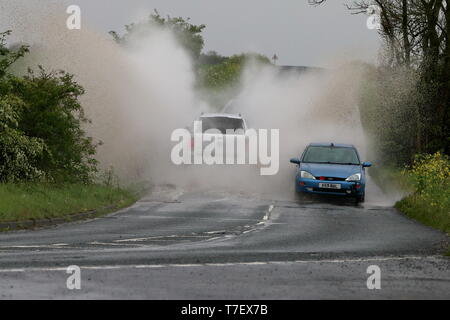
x,y
336,155
222,124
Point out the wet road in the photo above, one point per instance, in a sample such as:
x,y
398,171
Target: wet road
x,y
200,245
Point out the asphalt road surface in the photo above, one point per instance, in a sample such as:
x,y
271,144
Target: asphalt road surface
x,y
218,245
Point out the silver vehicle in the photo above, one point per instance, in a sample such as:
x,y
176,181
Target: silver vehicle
x,y
221,122
219,129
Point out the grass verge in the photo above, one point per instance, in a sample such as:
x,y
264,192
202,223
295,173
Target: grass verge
x,y
21,202
430,211
428,184
422,210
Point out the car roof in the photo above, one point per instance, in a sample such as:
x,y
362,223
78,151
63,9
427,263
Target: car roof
x,y
328,144
221,115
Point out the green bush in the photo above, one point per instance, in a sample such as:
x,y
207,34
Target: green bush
x,y
19,155
41,135
430,201
219,78
53,114
226,73
430,175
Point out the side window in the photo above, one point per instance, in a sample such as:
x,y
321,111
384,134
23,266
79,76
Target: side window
x,y
357,156
304,153
245,125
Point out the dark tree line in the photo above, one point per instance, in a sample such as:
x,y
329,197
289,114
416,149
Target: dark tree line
x,y
416,37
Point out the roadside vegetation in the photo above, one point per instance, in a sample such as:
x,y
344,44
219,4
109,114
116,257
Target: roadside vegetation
x,y
405,105
429,176
47,162
35,201
426,185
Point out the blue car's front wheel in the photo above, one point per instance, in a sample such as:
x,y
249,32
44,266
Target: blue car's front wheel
x,y
361,198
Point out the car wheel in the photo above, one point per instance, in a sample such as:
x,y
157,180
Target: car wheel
x,y
299,196
361,198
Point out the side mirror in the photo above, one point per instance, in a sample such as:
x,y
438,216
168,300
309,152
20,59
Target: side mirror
x,y
295,160
366,164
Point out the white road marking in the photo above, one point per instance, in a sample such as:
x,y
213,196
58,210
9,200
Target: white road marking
x,y
161,238
267,216
216,238
231,264
216,232
96,243
167,238
123,242
56,245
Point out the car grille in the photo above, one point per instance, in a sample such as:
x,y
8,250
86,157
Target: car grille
x,y
331,179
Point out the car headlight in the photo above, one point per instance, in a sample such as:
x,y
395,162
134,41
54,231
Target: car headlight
x,y
306,175
354,177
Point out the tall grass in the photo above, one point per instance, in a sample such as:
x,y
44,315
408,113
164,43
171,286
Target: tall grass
x,y
32,201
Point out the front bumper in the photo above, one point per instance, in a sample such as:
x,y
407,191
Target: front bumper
x,y
347,188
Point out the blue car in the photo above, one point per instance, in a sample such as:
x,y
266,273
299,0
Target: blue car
x,y
333,169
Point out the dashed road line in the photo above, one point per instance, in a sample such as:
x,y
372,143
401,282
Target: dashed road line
x,y
207,236
269,212
225,264
35,246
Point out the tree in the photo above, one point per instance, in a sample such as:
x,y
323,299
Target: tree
x,y
41,119
227,73
211,58
52,113
187,34
19,153
417,35
7,56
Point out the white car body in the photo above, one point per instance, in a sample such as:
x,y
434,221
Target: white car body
x,y
225,121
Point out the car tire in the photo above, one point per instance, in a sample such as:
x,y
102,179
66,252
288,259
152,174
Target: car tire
x,y
361,198
299,196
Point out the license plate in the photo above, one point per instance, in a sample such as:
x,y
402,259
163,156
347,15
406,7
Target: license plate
x,y
329,185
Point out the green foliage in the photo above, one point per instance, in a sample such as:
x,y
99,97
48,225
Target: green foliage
x,y
211,58
19,156
187,34
220,80
430,201
53,114
214,72
227,73
33,201
430,173
19,153
218,76
41,120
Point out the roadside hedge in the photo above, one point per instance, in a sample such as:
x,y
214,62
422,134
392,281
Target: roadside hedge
x,y
41,119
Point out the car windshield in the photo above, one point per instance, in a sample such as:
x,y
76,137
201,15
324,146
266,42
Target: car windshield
x,y
335,155
222,124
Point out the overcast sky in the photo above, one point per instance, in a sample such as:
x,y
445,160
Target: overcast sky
x,y
297,32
